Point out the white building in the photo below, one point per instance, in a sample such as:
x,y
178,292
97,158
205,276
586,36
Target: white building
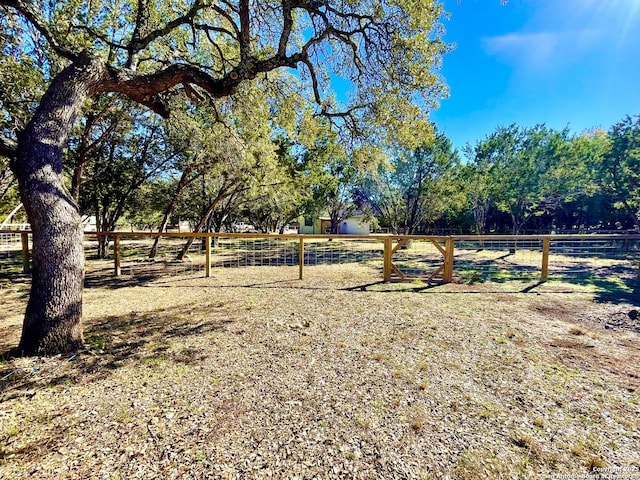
x,y
354,226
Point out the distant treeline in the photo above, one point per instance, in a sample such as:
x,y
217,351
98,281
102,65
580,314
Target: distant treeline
x,y
128,168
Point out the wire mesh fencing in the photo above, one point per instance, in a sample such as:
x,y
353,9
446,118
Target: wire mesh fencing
x,y
177,255
497,259
583,258
253,252
11,252
616,259
572,259
336,251
173,255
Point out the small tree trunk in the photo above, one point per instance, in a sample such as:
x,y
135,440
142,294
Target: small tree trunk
x,y
516,228
633,215
335,223
217,228
222,194
182,183
76,179
103,246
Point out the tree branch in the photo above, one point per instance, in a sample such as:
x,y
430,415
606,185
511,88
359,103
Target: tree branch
x,y
245,31
7,179
229,19
141,40
24,9
209,28
314,81
286,28
8,148
145,89
103,38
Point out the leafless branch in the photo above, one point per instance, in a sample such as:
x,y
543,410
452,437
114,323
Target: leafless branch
x,y
348,117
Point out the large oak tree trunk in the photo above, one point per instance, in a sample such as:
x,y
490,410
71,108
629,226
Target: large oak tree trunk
x,y
52,321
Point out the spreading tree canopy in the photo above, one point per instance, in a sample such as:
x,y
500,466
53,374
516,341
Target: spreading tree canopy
x,y
621,167
152,51
418,188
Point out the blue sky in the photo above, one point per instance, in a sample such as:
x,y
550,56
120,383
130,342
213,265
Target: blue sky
x,y
572,63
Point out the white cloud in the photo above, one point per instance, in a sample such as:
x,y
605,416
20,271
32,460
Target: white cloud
x,y
558,33
616,19
540,50
597,10
537,48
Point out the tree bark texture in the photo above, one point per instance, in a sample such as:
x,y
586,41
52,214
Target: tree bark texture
x,y
52,321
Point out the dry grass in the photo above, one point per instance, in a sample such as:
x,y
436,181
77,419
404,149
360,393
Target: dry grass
x,y
251,374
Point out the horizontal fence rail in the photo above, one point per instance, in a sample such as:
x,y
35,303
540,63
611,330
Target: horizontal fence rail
x,y
463,258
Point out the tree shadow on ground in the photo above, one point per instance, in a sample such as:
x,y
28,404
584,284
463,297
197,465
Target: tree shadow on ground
x,y
14,278
435,288
606,291
136,274
611,291
112,342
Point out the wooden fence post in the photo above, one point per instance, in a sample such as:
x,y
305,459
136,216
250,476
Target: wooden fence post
x,y
546,243
24,236
116,254
447,274
207,254
300,257
388,253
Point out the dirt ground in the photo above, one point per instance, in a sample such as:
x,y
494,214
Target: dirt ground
x,y
254,374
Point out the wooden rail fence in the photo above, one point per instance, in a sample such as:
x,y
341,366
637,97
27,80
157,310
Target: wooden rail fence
x,y
392,244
